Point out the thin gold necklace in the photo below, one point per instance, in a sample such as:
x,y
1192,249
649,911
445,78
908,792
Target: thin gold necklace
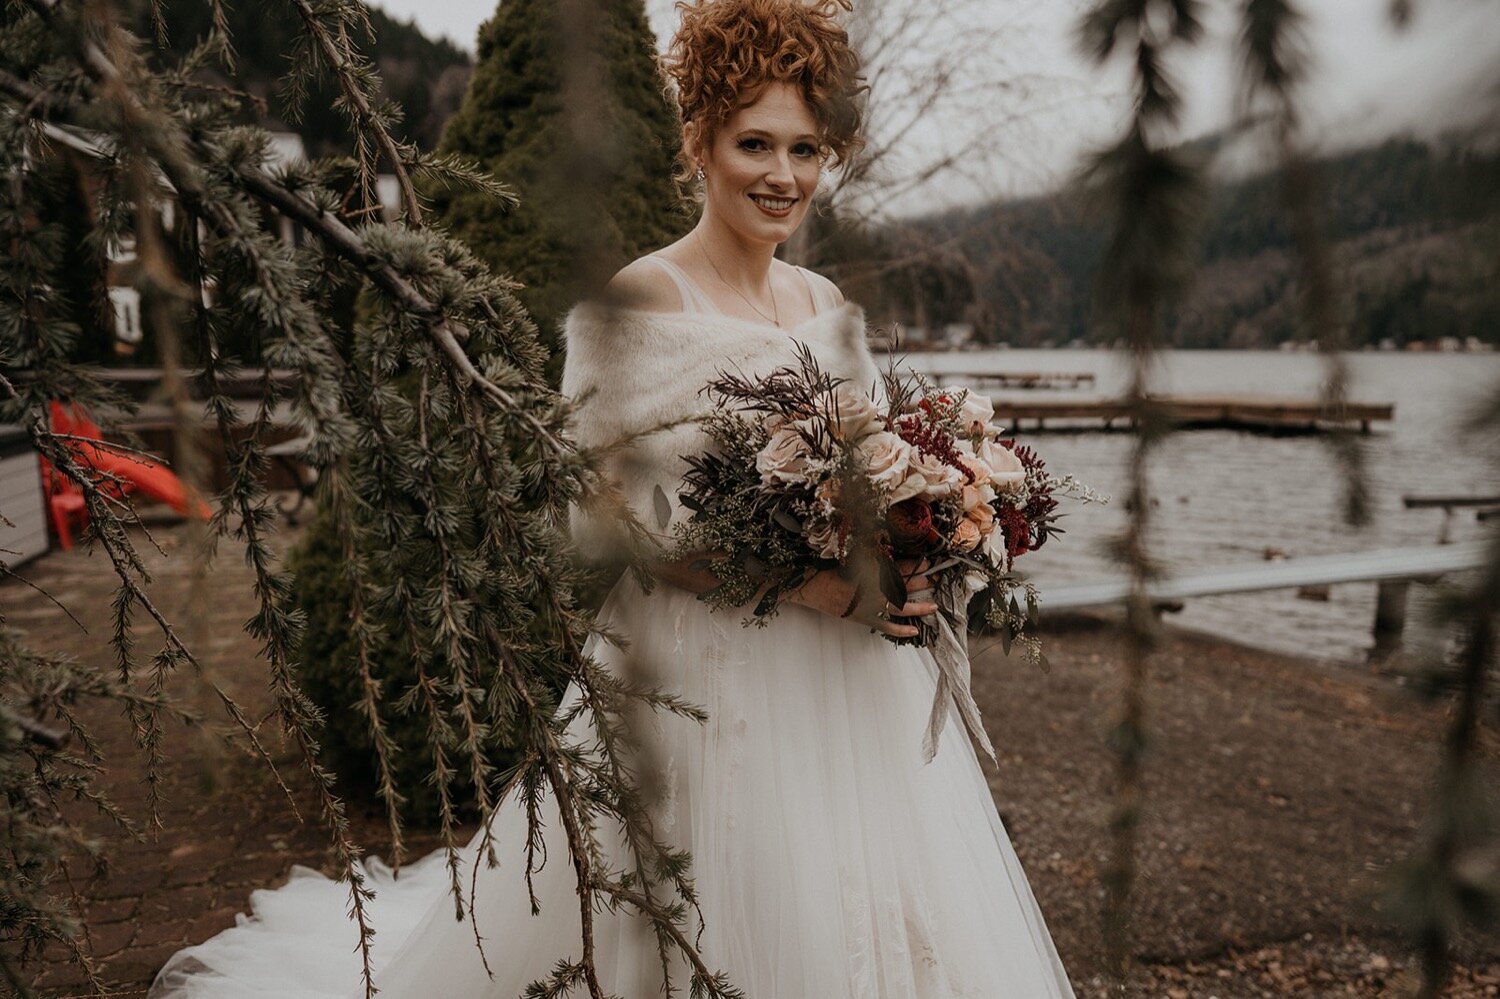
x,y
775,317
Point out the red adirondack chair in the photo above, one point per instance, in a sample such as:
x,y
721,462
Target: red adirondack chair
x,y
119,474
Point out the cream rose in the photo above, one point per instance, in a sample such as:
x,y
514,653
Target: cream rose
x,y
783,461
887,461
915,484
854,414
975,411
823,537
1006,470
940,478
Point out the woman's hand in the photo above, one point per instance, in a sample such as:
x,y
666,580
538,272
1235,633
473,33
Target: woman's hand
x,y
832,594
690,573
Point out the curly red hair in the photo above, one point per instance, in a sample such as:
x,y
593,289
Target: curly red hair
x,y
725,52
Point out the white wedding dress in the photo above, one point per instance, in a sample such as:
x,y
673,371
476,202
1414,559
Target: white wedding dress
x,y
830,861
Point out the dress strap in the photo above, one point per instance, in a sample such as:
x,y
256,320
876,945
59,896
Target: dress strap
x,y
694,300
821,298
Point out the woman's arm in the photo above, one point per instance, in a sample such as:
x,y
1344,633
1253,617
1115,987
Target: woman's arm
x,y
681,574
831,593
825,591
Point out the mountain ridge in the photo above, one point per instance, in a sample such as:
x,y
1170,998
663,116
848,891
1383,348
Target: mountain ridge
x,y
1411,227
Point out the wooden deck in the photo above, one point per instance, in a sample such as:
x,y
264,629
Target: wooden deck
x,y
1194,411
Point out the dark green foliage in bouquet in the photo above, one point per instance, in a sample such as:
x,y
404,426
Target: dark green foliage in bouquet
x,y
754,543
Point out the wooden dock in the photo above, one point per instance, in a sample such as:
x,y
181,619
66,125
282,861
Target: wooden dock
x,y
1380,565
1013,379
1484,507
1194,412
1393,570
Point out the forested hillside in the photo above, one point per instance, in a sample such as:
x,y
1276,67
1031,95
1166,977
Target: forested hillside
x,y
426,78
1414,253
1414,257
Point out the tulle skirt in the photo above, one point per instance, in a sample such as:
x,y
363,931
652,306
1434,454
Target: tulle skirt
x,y
829,860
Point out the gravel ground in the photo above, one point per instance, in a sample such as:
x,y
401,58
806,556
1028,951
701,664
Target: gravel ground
x,y
1277,792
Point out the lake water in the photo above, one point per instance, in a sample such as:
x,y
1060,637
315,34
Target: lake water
x,y
1225,497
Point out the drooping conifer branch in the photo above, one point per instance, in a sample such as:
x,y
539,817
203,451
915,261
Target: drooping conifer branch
x,y
1449,885
464,582
1152,193
1274,58
356,81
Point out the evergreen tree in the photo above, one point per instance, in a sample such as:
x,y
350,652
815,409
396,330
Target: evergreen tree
x,y
417,73
444,468
514,121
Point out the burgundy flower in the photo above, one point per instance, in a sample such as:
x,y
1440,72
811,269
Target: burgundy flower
x,y
1017,530
1040,512
931,439
911,525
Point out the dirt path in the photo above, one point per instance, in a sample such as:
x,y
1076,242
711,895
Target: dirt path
x,y
1277,792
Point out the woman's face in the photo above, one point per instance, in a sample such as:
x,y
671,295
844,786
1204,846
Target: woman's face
x,y
762,168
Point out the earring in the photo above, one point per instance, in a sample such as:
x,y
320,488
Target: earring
x,y
699,173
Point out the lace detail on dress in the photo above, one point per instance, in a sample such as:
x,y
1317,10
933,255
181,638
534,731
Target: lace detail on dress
x,y
931,975
926,970
668,807
859,934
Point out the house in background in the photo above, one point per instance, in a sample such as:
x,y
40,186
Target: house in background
x,y
121,262
117,266
23,529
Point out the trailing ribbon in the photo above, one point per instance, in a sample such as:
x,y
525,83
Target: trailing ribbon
x,y
950,651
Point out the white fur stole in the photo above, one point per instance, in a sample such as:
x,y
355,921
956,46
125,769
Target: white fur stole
x,y
630,371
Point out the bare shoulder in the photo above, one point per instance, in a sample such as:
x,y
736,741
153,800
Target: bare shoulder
x,y
645,285
825,285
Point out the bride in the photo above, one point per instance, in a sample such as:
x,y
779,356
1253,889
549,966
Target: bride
x,y
830,861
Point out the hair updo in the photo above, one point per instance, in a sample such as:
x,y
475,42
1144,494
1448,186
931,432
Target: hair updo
x,y
725,52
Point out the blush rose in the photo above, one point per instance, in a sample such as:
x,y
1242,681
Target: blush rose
x,y
887,460
784,460
853,413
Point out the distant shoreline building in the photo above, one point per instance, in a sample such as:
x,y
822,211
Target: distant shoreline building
x,y
121,262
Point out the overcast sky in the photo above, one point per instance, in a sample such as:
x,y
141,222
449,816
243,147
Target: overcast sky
x,y
1371,80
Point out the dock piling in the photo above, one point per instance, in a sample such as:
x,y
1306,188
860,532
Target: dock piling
x,y
1390,609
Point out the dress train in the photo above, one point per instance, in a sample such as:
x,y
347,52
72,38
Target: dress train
x,y
830,861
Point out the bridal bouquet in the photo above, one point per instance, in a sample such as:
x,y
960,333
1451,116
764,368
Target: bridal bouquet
x,y
809,472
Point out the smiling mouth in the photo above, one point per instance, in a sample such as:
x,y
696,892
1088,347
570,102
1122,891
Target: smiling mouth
x,y
772,205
